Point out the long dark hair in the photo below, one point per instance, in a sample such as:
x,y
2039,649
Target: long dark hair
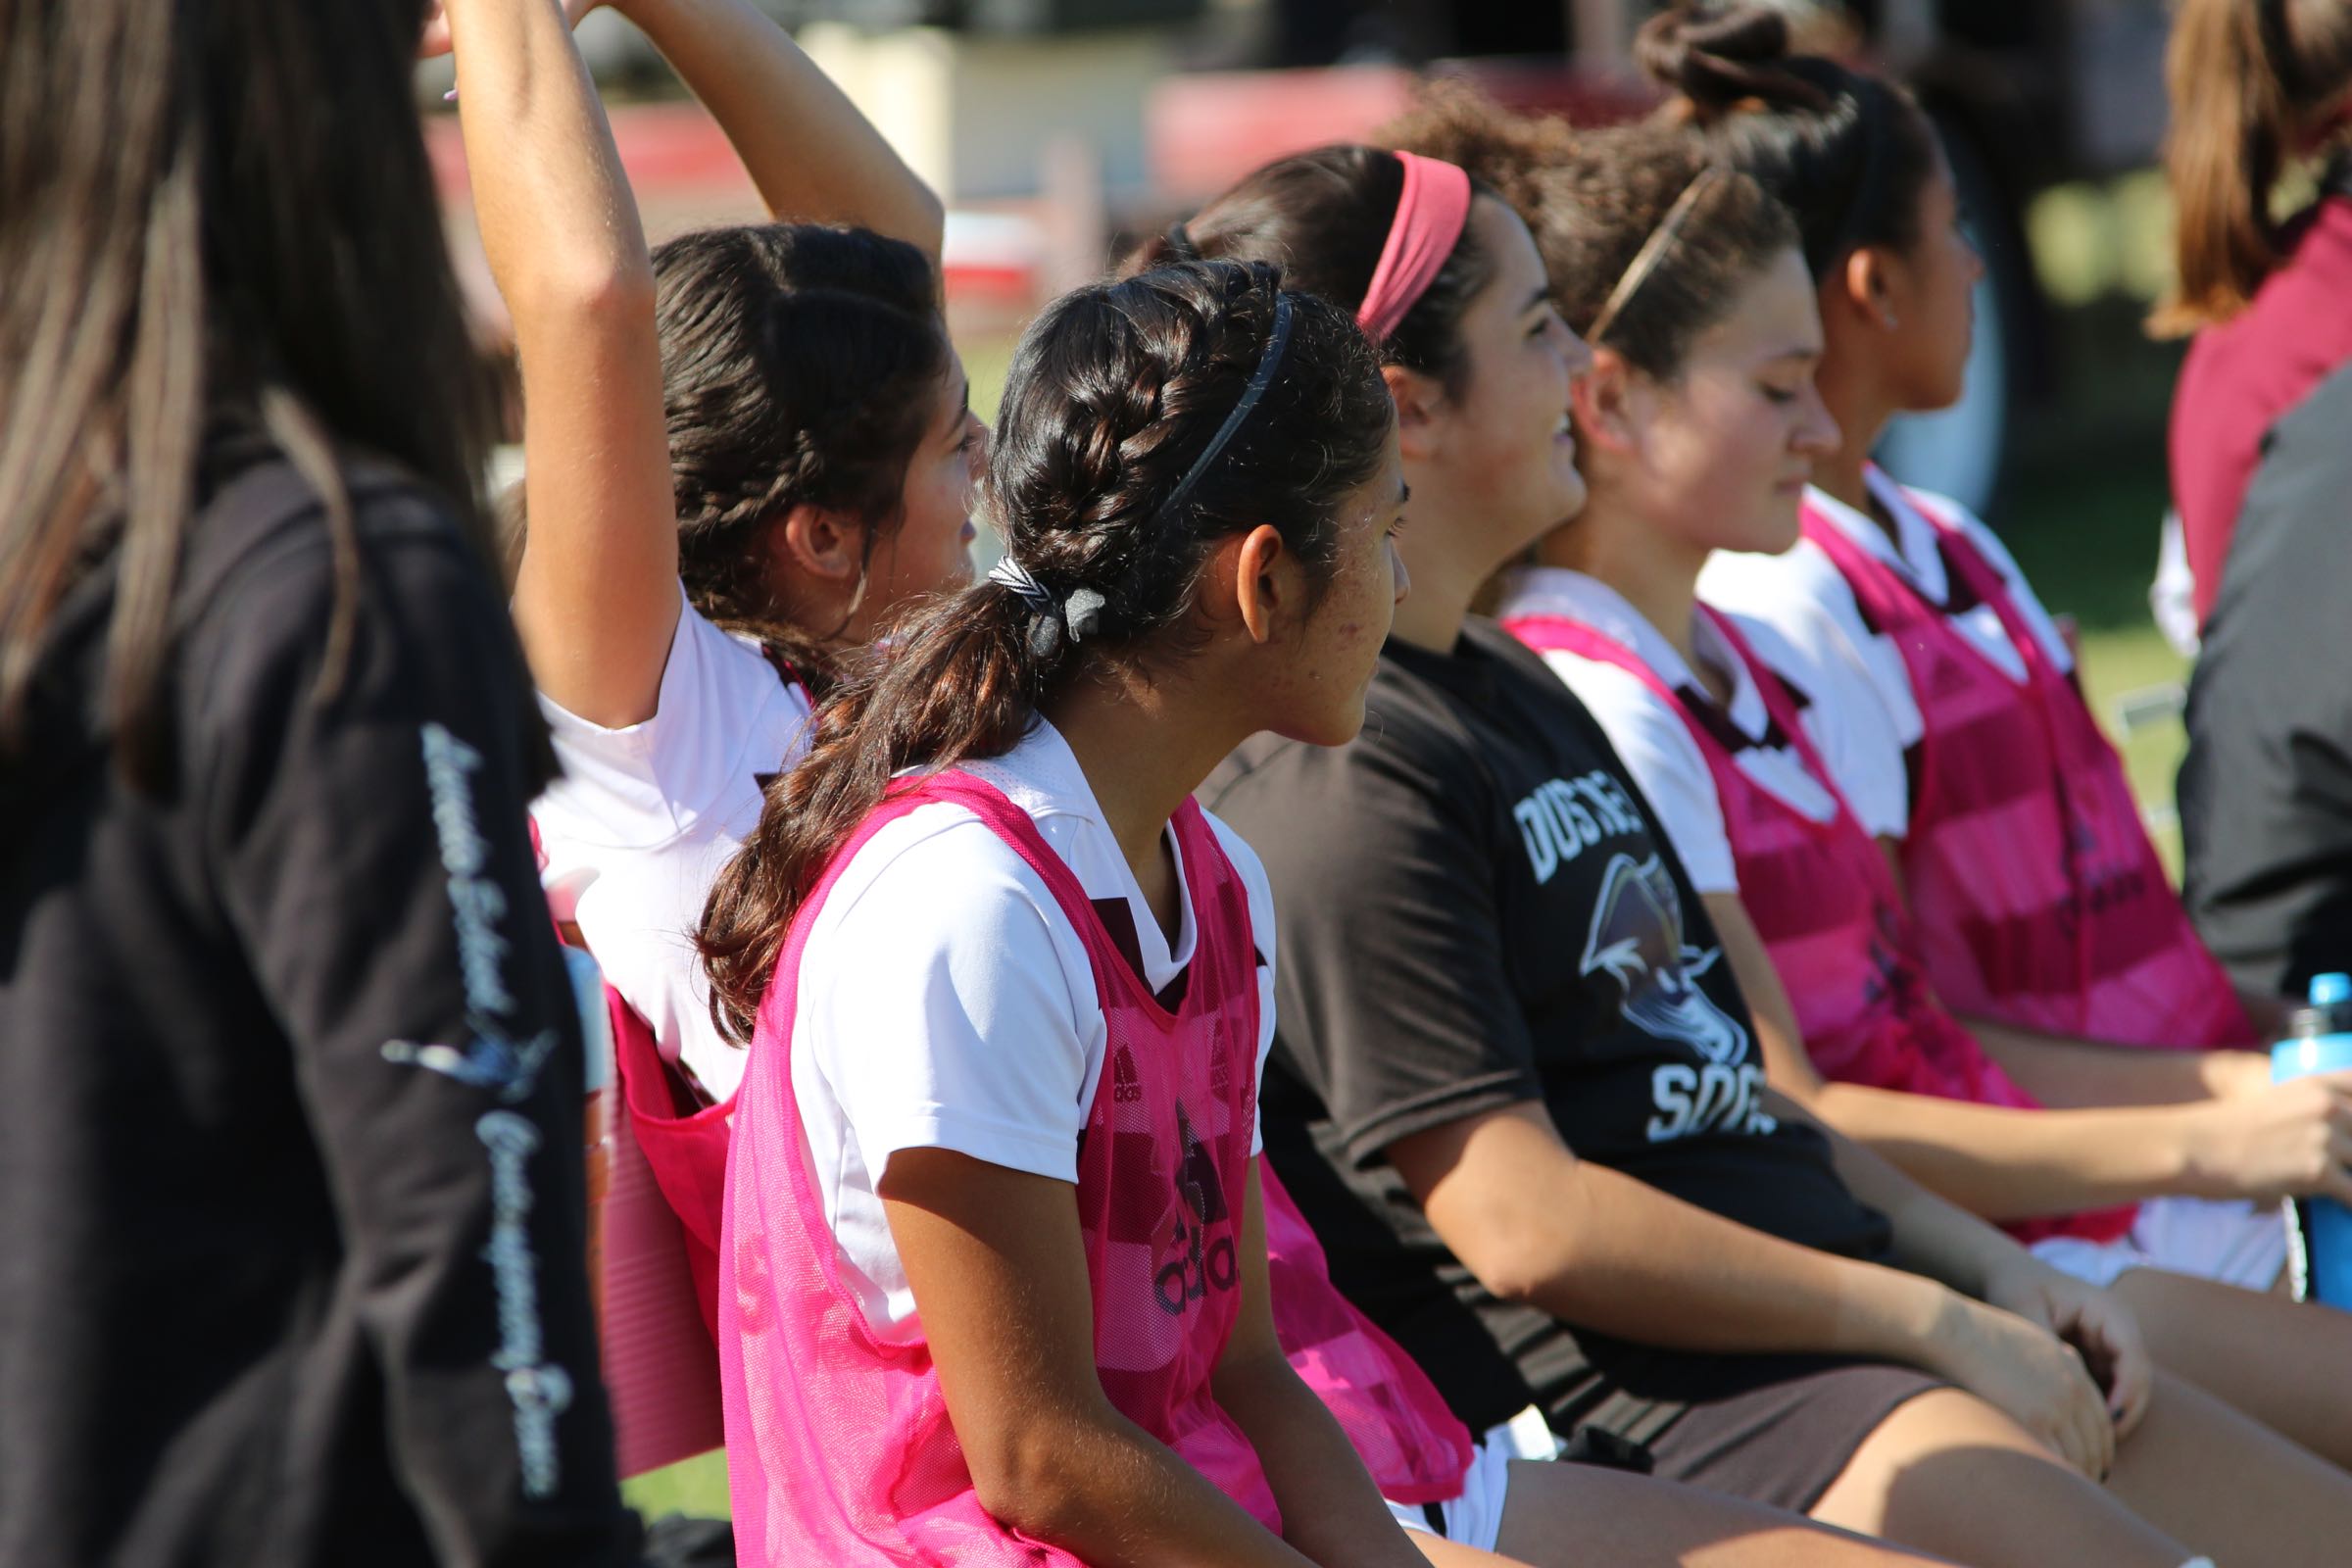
x,y
210,210
1322,217
1850,153
2245,76
798,368
1114,393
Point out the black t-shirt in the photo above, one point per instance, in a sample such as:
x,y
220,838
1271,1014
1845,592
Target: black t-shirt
x,y
2266,788
1475,908
292,1249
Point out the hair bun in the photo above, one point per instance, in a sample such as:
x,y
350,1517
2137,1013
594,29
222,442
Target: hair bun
x,y
1717,58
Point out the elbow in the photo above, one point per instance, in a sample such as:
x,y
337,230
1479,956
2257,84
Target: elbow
x,y
927,227
1514,1263
564,291
1510,1279
1030,1477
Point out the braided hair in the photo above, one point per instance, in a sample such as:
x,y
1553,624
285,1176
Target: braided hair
x,y
798,363
1109,490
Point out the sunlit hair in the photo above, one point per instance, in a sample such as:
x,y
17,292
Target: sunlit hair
x,y
2247,78
212,214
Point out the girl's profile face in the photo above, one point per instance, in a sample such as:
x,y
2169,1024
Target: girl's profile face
x,y
1931,295
1507,452
930,549
1722,454
1337,646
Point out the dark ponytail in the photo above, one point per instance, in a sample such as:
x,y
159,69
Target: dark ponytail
x,y
2246,79
1115,394
1848,153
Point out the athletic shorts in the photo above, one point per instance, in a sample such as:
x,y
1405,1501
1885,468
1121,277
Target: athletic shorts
x,y
1771,1428
1473,1518
1788,1430
2234,1241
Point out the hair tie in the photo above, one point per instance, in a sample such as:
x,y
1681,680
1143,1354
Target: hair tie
x,y
1010,573
1654,251
1432,210
1269,363
1078,616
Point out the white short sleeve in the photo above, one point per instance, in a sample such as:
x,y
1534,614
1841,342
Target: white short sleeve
x,y
724,717
938,1006
644,816
1656,742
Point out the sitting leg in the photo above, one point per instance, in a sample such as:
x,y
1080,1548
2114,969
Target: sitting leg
x,y
2280,1363
2231,1487
1582,1516
1950,1473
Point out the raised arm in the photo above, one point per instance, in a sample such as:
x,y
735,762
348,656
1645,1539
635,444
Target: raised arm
x,y
812,155
597,596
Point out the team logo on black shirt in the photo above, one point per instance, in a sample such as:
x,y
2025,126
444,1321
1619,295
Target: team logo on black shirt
x,y
1636,939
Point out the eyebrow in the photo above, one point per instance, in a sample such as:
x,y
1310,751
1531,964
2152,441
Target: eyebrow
x,y
964,407
1405,492
1541,296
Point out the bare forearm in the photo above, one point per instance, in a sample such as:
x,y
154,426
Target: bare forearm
x,y
1932,1236
1108,1493
1630,1261
1329,1511
814,156
2066,1074
2006,1163
555,209
596,597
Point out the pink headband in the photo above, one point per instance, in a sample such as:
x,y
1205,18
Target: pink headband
x,y
1431,212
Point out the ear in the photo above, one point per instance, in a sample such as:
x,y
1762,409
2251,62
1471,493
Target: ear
x,y
1610,404
815,541
1866,285
1420,400
1265,584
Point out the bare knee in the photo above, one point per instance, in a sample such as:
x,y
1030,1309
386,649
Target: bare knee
x,y
1925,1474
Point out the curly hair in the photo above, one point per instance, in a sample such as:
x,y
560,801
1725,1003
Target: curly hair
x,y
1115,393
1591,199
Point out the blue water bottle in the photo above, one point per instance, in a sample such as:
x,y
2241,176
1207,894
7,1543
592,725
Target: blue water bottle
x,y
2319,1229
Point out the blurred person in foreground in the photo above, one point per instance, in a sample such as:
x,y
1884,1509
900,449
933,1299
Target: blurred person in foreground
x,y
2260,469
292,1234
